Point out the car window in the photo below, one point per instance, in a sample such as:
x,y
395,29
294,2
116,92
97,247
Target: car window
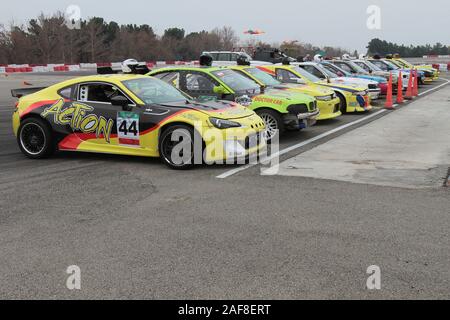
x,y
151,90
99,92
285,76
380,64
172,78
199,82
66,92
314,71
234,56
343,66
265,78
236,81
224,57
363,65
214,55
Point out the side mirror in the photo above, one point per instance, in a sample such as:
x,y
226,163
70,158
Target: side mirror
x,y
262,89
120,101
219,90
340,74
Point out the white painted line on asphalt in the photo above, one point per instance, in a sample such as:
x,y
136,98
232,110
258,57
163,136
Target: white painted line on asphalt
x,y
439,86
302,144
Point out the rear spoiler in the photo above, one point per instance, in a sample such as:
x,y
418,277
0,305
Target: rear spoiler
x,y
19,93
107,70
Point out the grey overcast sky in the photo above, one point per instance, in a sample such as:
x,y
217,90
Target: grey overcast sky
x,y
337,23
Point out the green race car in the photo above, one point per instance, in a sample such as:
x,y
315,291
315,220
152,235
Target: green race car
x,y
280,109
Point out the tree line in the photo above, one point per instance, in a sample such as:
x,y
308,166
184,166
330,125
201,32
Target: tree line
x,y
382,47
47,39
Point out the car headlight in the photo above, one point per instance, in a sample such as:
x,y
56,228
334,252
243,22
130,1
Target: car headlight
x,y
324,98
360,93
224,124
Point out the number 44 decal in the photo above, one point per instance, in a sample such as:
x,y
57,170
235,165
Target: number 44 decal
x,y
128,129
132,129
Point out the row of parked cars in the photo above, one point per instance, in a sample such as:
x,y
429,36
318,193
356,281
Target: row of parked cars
x,y
281,93
190,115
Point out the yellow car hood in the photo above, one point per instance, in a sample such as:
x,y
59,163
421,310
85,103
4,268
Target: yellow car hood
x,y
310,89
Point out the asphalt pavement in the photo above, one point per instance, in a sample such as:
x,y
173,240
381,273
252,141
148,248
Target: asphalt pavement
x,y
141,231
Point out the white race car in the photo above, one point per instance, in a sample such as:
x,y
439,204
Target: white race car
x,y
375,70
322,72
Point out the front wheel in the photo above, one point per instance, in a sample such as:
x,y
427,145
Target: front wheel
x,y
35,139
274,123
177,147
342,103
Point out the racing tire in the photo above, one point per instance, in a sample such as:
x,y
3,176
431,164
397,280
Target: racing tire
x,y
274,124
342,103
166,147
35,139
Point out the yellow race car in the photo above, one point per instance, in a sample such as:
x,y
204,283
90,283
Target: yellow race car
x,y
352,97
430,73
327,100
134,115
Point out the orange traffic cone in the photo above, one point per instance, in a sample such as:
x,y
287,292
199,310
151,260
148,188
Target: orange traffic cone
x,y
400,89
409,90
389,103
416,84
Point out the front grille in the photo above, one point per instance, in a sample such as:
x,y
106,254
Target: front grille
x,y
373,86
313,106
297,109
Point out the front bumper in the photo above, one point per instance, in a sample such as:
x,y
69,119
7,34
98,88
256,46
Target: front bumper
x,y
384,88
329,109
309,115
230,148
374,94
361,104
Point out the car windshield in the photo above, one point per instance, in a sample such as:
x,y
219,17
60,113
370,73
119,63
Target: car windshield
x,y
372,66
236,81
335,69
306,74
152,90
403,63
357,68
265,78
393,65
328,72
398,63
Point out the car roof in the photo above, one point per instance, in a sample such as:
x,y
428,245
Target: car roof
x,y
200,68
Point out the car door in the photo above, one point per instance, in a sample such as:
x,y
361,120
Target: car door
x,y
104,123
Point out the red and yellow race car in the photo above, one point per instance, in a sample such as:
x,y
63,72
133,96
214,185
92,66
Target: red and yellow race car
x,y
134,115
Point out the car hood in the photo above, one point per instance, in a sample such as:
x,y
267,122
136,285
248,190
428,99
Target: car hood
x,y
220,109
285,96
372,78
312,90
344,86
353,81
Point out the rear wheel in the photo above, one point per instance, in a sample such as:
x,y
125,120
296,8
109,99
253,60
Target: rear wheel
x,y
35,139
176,147
274,123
